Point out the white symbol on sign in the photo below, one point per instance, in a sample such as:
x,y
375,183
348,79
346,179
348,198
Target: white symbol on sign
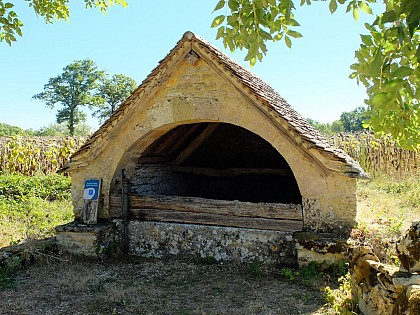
x,y
89,193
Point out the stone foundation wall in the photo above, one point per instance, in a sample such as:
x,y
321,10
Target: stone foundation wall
x,y
224,244
382,289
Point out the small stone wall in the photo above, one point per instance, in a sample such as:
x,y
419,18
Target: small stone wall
x,y
93,241
160,179
159,239
382,289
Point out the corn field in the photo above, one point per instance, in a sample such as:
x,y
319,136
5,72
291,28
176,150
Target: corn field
x,y
36,155
47,155
378,156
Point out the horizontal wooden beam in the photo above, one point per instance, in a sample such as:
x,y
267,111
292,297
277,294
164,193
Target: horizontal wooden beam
x,y
216,219
213,206
155,159
232,171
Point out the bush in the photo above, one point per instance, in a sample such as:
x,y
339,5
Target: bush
x,y
31,207
50,187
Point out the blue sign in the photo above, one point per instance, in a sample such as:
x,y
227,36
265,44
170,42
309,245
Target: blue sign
x,y
91,190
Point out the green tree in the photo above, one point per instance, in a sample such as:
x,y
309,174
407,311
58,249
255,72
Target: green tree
x,y
9,130
387,61
113,91
353,120
50,10
327,129
82,129
72,89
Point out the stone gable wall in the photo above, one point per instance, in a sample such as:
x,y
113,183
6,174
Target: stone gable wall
x,y
196,93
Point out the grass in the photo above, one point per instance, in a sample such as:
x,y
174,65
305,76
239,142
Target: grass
x,y
388,205
31,207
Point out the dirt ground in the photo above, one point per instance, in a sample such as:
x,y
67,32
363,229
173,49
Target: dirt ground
x,y
154,286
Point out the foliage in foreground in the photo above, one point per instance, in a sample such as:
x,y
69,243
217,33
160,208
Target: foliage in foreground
x,y
387,62
51,11
31,207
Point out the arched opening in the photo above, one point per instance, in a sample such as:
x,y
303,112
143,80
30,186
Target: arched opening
x,y
213,174
215,161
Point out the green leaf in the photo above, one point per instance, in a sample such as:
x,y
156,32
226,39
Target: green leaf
x,y
253,61
220,32
8,5
365,7
218,20
288,41
333,6
393,85
376,64
293,34
292,22
388,17
219,5
403,72
367,40
353,75
382,98
278,37
233,5
356,14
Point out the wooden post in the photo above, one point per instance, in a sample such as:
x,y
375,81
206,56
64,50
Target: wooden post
x,y
125,209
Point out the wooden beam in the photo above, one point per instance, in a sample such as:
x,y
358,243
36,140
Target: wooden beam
x,y
216,219
196,143
232,171
193,128
155,159
214,206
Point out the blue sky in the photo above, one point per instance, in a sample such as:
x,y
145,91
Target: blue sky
x,y
312,76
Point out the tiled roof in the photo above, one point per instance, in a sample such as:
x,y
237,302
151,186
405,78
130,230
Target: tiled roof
x,y
297,126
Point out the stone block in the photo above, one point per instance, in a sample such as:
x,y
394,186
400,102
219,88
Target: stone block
x,y
93,241
408,249
321,248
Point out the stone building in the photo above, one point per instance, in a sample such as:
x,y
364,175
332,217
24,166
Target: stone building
x,y
213,155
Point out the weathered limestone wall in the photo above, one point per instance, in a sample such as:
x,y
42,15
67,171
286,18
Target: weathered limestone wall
x,y
382,289
196,93
224,244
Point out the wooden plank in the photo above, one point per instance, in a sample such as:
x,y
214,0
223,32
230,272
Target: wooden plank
x,y
213,206
155,159
193,128
232,171
215,219
196,143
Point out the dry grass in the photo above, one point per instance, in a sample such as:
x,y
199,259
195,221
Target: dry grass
x,y
386,208
389,205
145,286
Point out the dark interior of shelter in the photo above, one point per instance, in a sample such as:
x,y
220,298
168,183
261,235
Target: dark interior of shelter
x,y
215,161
